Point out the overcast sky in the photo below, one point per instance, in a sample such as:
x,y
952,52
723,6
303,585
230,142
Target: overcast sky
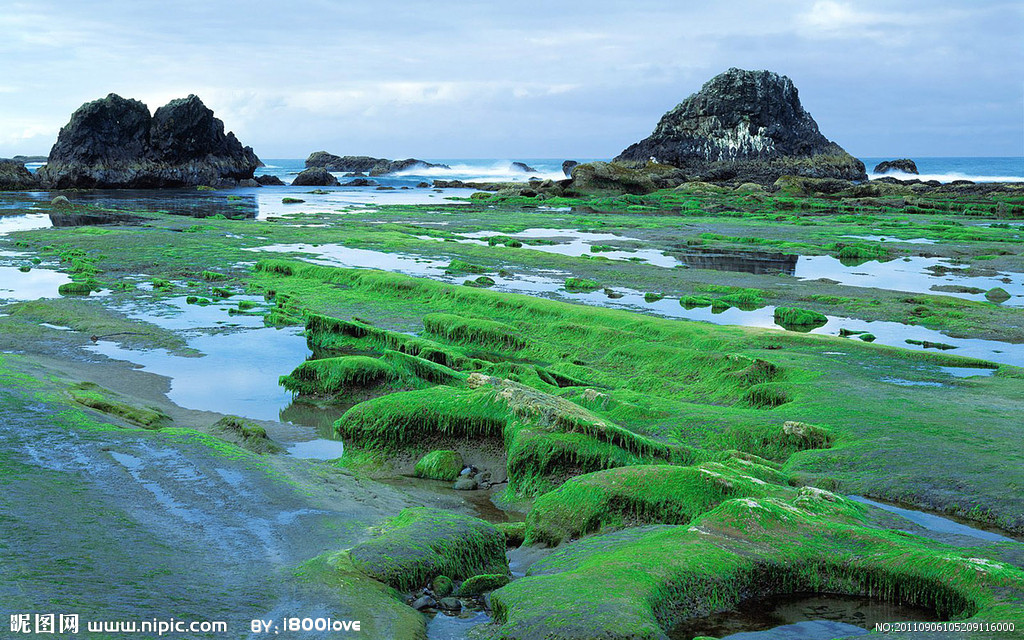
x,y
516,80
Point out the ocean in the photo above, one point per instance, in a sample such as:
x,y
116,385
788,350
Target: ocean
x,y
975,169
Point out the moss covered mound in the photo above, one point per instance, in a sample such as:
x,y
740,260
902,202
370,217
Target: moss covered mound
x,y
649,494
440,465
330,376
638,582
420,544
249,434
104,400
799,319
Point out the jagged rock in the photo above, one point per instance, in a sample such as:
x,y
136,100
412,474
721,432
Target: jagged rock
x,y
60,202
522,166
906,165
366,165
14,176
269,181
567,167
745,126
115,143
315,177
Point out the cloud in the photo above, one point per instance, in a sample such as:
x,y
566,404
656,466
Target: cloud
x,y
828,18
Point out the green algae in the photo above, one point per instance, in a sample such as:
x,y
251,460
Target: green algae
x,y
442,464
421,543
96,397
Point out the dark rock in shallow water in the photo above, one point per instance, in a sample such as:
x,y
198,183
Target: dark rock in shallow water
x,y
360,182
14,176
745,126
366,165
906,165
522,166
315,177
269,181
567,167
115,143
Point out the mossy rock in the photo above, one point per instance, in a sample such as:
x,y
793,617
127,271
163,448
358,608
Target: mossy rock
x,y
103,400
442,586
251,435
421,543
646,494
998,295
76,288
611,178
515,532
330,376
797,319
440,465
806,436
479,585
582,285
803,187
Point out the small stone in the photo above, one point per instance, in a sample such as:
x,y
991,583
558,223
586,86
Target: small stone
x,y
465,484
451,604
60,202
424,602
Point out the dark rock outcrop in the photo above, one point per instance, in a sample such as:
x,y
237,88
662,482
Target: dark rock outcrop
x,y
15,177
315,177
267,180
522,166
567,167
745,126
906,165
360,182
115,143
366,165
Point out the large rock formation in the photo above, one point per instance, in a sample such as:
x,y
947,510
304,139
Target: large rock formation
x,y
744,126
315,177
115,143
15,177
366,164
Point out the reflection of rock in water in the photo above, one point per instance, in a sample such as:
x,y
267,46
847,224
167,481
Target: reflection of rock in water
x,y
745,261
88,218
179,202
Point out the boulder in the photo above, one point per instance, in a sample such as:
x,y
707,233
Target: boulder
x,y
904,165
315,177
360,182
14,176
269,181
567,167
115,143
522,166
745,126
802,186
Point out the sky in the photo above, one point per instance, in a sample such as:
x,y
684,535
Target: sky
x,y
557,79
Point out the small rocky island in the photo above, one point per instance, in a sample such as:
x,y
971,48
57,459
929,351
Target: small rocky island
x,y
366,164
114,143
905,165
747,126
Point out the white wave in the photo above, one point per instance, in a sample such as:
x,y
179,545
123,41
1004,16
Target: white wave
x,y
945,177
497,172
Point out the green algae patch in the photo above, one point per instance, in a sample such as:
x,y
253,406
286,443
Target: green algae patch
x,y
799,319
421,543
441,464
379,608
630,496
582,285
76,288
331,376
409,417
997,295
461,266
103,400
639,582
473,331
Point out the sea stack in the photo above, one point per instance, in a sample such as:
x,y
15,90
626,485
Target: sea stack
x,y
744,126
115,143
